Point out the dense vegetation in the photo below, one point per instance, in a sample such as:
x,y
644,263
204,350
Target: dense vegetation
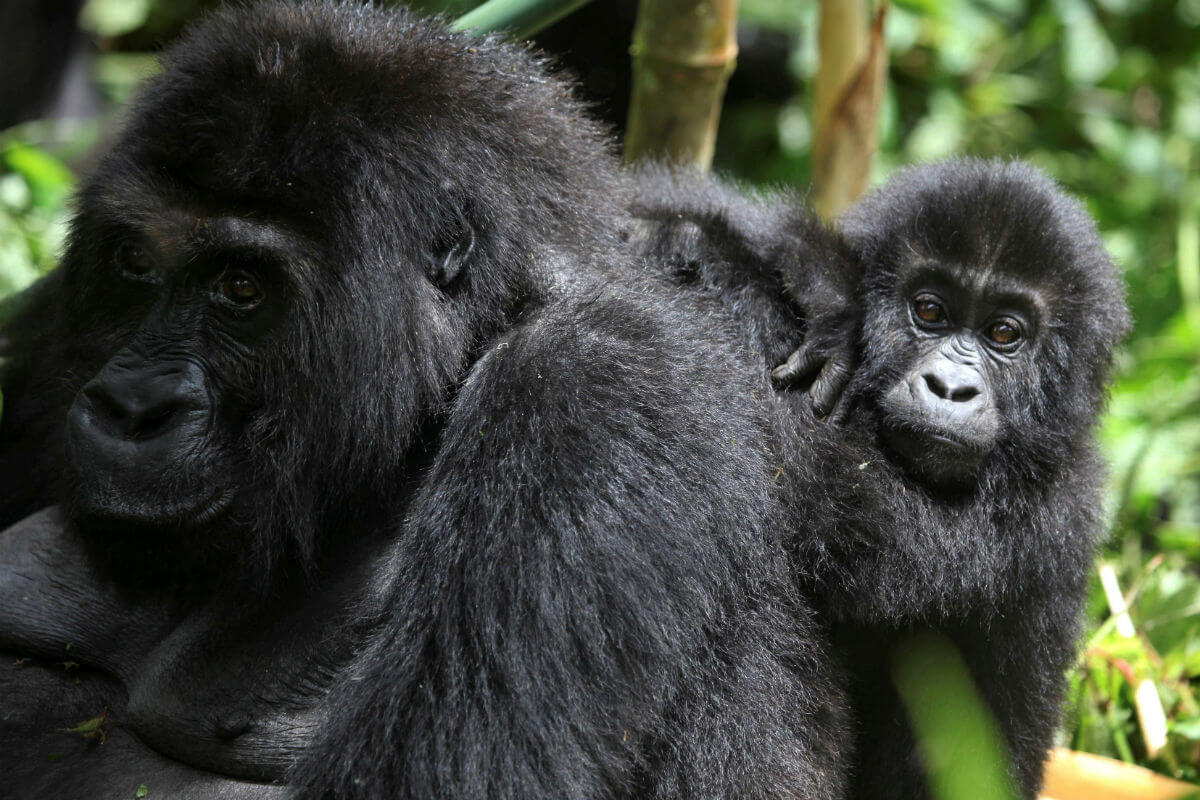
x,y
1102,94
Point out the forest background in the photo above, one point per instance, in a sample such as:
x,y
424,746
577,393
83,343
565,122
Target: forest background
x,y
1104,95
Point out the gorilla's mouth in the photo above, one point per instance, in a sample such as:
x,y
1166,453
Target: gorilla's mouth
x,y
149,508
937,455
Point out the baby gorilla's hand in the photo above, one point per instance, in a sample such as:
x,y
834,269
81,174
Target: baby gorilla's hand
x,y
820,275
820,281
825,361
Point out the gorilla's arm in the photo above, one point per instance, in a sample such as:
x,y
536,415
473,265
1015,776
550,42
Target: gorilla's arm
x,y
227,684
768,257
1018,662
587,534
45,756
55,605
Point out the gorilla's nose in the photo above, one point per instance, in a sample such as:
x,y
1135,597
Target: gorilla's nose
x,y
953,382
139,401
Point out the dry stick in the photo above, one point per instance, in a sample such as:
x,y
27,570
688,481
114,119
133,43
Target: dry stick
x,y
848,95
683,53
1151,718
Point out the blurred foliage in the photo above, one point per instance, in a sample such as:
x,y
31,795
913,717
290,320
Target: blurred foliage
x,y
961,749
34,186
1102,94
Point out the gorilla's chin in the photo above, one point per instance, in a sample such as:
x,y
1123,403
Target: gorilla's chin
x,y
939,458
150,536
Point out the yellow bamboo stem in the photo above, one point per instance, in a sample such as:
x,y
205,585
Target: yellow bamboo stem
x,y
683,53
1072,775
848,94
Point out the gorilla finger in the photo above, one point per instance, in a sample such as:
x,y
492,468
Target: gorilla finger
x,y
800,363
828,387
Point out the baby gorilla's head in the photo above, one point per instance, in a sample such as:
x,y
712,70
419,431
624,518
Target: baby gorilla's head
x,y
991,312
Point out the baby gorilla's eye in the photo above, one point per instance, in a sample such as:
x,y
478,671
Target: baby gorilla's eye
x,y
1004,332
929,309
134,262
238,289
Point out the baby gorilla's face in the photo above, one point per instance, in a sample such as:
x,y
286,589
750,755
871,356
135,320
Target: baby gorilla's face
x,y
962,337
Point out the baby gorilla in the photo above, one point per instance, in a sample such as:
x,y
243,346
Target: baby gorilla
x,y
962,494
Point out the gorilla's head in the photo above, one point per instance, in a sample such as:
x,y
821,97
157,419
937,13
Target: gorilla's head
x,y
314,216
992,311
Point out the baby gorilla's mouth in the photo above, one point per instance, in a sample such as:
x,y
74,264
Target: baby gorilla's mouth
x,y
936,455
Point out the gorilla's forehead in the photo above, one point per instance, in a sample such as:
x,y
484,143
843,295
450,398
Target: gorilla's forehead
x,y
177,212
996,271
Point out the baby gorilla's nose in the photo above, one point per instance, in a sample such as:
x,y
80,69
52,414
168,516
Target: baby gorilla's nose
x,y
953,382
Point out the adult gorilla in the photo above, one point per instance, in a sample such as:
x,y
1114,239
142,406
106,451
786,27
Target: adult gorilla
x,y
371,481
962,492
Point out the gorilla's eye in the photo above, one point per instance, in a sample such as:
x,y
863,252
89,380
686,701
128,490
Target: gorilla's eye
x,y
929,309
1004,332
238,289
134,262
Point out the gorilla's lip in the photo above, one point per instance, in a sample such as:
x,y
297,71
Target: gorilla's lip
x,y
937,454
914,435
192,515
946,439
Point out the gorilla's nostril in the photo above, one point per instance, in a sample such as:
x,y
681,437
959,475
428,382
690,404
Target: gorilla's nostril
x,y
955,392
153,421
963,393
134,411
105,406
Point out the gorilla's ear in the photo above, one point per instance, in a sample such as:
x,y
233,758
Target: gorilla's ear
x,y
452,251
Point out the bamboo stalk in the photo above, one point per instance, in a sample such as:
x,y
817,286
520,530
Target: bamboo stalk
x,y
683,53
521,18
848,94
1151,718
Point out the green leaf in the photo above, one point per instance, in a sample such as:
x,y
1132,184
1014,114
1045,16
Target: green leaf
x,y
114,17
960,746
49,179
521,18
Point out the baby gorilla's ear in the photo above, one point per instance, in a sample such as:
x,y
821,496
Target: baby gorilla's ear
x,y
451,250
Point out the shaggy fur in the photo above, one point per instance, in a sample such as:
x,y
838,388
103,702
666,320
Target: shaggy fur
x,y
471,540
999,565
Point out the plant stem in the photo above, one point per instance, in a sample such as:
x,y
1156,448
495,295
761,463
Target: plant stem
x,y
521,18
683,53
848,96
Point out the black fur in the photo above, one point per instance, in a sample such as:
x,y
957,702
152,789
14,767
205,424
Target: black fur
x,y
998,563
736,249
470,538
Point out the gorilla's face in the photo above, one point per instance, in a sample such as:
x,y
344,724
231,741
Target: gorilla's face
x,y
990,316
235,370
961,343
151,437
